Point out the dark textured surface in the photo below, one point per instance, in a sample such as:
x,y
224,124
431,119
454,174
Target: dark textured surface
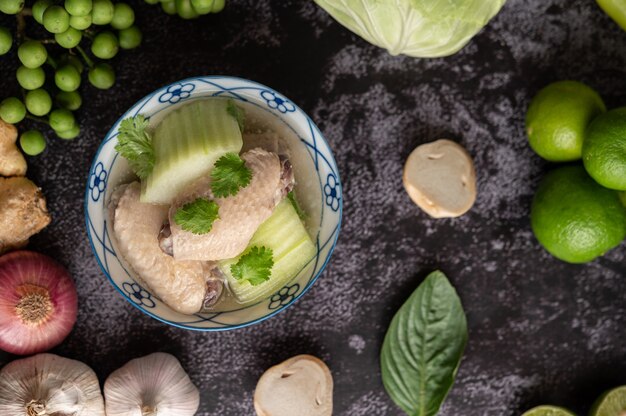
x,y
540,330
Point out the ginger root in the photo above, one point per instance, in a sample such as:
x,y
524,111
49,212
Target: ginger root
x,y
22,212
12,162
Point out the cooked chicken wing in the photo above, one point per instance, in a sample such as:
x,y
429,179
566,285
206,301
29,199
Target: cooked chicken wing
x,y
239,216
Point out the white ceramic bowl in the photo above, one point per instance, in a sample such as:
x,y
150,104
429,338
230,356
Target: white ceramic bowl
x,y
108,170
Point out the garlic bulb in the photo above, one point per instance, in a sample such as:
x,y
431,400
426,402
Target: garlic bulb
x,y
149,386
46,385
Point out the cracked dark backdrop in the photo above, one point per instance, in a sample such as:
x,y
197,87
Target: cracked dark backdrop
x,y
541,331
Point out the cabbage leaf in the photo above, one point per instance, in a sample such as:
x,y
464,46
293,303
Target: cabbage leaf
x,y
418,28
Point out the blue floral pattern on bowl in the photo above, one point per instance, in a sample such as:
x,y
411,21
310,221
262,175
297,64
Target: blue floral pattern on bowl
x,y
177,92
332,191
108,171
284,296
97,181
139,295
276,102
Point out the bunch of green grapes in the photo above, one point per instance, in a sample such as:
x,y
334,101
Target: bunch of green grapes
x,y
190,9
54,67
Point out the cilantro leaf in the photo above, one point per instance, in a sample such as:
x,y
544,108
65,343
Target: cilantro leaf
x,y
229,175
198,216
254,266
135,144
294,202
236,111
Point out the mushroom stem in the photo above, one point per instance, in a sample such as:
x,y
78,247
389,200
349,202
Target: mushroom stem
x,y
36,408
149,410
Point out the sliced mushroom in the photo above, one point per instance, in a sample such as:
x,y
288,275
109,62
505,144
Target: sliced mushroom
x,y
440,178
301,386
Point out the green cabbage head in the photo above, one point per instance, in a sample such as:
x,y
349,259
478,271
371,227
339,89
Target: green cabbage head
x,y
419,28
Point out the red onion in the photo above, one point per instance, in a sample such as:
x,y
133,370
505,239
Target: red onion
x,y
38,303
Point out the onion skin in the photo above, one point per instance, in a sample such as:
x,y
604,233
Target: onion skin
x,y
38,303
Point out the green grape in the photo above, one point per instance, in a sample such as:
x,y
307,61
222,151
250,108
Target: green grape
x,y
69,39
39,7
67,78
202,6
72,60
69,134
80,22
169,7
69,100
30,78
102,12
61,120
152,1
6,40
130,38
38,102
11,6
184,9
123,16
32,54
32,142
102,76
56,19
105,45
78,7
12,110
218,5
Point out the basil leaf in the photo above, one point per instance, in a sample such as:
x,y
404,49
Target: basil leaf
x,y
423,347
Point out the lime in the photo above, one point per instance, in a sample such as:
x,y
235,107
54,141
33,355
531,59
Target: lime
x,y
611,403
548,411
574,218
557,118
604,149
616,9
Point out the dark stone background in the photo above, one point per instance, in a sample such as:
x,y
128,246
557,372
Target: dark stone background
x,y
541,331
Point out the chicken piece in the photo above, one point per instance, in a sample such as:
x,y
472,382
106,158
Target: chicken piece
x,y
239,216
12,162
22,212
183,285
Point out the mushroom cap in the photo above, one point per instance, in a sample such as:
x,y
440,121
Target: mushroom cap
x,y
440,178
301,386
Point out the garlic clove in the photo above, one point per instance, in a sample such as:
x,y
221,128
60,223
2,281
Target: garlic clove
x,y
154,385
302,385
440,178
46,384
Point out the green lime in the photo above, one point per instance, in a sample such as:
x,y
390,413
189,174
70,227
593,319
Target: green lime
x,y
574,218
548,411
622,197
604,150
611,403
616,9
557,118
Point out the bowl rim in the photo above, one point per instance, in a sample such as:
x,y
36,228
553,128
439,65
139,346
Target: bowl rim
x,y
177,324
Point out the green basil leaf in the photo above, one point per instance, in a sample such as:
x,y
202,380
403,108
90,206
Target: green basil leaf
x,y
423,347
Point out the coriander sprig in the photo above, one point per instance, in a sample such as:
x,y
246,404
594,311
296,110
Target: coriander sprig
x,y
229,175
254,266
198,216
135,144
